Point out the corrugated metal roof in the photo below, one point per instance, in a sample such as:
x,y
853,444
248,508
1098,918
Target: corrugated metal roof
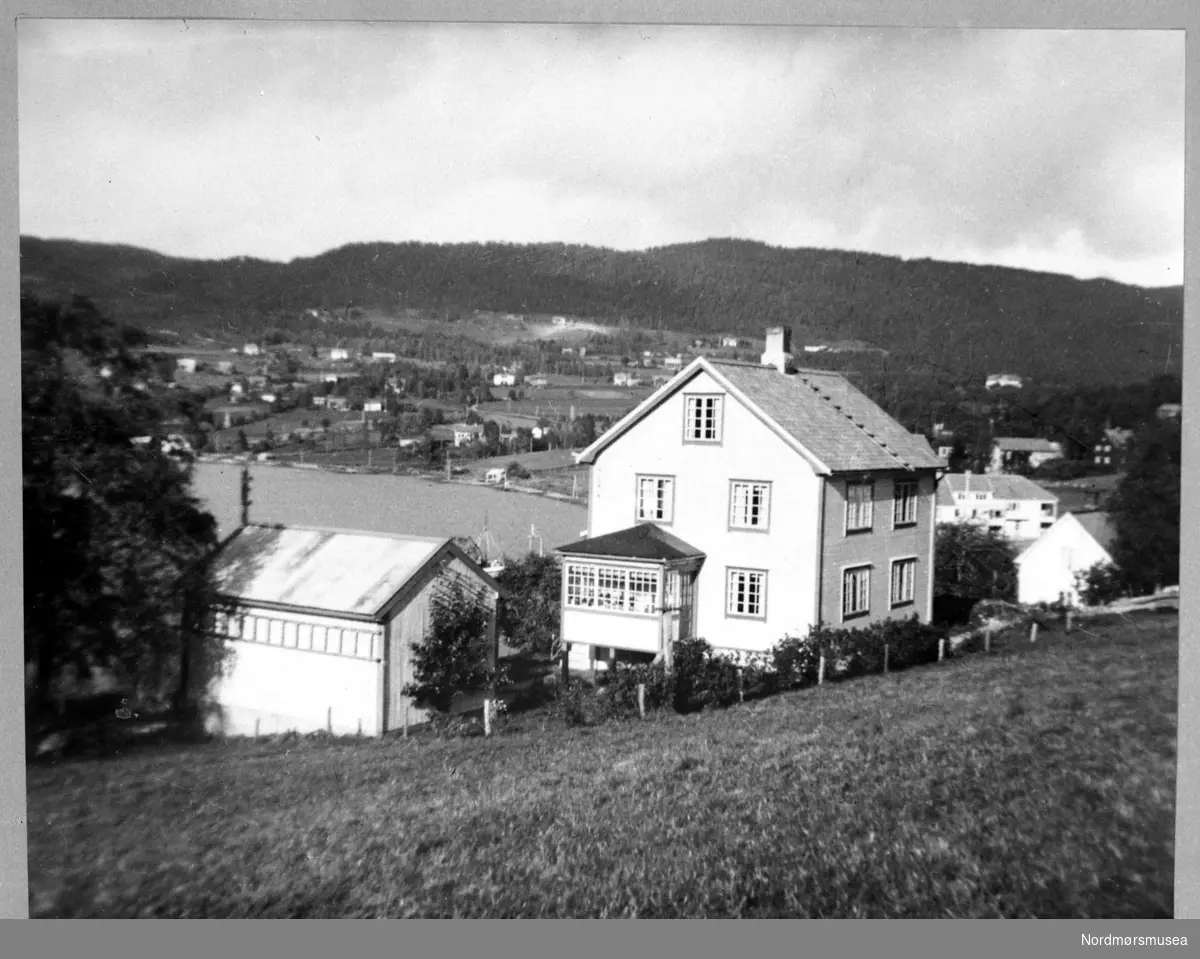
x,y
337,571
644,541
824,413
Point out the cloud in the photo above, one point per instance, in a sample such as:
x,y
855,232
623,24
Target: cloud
x,y
1058,147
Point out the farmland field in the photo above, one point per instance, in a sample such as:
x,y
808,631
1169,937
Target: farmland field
x,y
1038,781
387,504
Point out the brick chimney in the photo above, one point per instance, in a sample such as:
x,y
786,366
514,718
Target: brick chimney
x,y
779,349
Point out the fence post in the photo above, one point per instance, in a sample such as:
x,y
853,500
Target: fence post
x,y
941,649
821,670
487,716
642,700
329,720
987,639
1070,615
741,687
1033,633
406,722
885,657
256,725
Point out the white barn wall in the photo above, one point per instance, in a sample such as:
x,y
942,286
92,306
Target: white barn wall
x,y
749,450
1048,567
288,689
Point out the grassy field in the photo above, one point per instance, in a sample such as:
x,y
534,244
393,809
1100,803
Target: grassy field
x,y
1038,781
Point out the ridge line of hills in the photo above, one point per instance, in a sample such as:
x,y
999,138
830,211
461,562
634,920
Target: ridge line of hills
x,y
956,320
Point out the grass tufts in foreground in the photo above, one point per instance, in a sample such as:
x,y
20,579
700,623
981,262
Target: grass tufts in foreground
x,y
1038,781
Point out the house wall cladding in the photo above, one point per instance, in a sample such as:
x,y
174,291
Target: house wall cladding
x,y
410,626
276,683
878,548
748,450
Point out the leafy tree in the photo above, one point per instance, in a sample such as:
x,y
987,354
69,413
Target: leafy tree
x,y
529,612
455,655
114,539
973,563
1146,511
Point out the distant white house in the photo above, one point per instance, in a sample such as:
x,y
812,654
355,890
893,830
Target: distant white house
x,y
536,381
268,397
186,364
996,381
1047,570
624,378
1009,451
1169,411
372,406
559,321
330,378
339,354
1013,506
568,351
496,475
729,341
945,452
320,625
383,357
236,389
251,349
504,379
816,348
673,362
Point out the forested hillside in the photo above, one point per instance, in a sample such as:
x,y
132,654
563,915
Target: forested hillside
x,y
965,321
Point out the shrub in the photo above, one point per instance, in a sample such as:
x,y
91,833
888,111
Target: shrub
x,y
1100,584
455,656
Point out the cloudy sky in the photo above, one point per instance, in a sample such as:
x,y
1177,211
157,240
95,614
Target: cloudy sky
x,y
1053,150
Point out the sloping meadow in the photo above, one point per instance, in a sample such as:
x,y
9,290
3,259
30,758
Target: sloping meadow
x,y
1035,781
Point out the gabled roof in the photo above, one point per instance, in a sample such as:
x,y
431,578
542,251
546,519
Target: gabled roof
x,y
1100,526
820,414
1001,486
1026,444
644,541
344,572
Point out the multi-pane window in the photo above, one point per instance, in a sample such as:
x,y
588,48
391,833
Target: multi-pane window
x,y
859,498
749,505
655,498
904,503
856,591
702,422
612,588
904,577
745,592
581,585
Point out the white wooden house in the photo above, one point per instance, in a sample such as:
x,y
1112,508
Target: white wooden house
x,y
1013,506
1009,452
1047,570
321,625
742,503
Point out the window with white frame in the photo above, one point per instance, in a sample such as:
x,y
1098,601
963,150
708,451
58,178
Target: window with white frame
x,y
904,502
904,578
749,505
612,588
856,591
702,422
656,498
746,592
859,502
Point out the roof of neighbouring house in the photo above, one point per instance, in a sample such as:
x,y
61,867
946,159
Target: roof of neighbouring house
x,y
1099,524
644,541
346,572
1026,444
819,411
999,485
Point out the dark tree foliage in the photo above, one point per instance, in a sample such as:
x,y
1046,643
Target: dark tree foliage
x,y
113,538
1146,511
973,563
455,656
529,613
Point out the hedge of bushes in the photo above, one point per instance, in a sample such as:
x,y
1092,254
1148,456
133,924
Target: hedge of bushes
x,y
701,678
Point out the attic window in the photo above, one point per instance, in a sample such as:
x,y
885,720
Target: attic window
x,y
702,419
